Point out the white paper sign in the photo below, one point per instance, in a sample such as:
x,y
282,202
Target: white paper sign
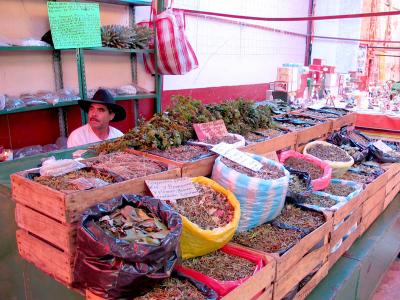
x,y
226,150
382,146
172,189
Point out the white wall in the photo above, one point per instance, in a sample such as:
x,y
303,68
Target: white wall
x,y
233,54
342,54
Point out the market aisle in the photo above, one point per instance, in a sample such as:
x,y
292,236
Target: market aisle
x,y
390,285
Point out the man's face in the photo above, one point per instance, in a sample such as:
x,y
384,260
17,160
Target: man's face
x,y
99,116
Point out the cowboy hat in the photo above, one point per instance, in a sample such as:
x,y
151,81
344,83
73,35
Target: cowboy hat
x,y
103,96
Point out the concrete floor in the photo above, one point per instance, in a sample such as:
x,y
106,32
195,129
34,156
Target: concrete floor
x,y
390,285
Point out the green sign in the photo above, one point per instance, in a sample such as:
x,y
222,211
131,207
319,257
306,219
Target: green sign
x,y
74,24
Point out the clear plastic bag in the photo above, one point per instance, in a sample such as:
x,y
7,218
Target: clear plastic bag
x,y
53,167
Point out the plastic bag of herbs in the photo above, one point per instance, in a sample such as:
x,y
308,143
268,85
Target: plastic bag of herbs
x,y
320,171
341,190
299,186
209,220
180,287
261,194
336,157
224,269
126,245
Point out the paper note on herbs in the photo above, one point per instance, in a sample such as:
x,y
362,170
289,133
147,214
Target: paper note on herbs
x,y
172,189
209,130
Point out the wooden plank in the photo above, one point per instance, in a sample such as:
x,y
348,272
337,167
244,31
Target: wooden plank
x,y
312,133
339,233
59,234
376,185
334,257
45,257
367,220
389,197
38,196
307,289
256,284
287,140
346,209
77,202
306,266
392,182
347,120
202,167
266,295
375,200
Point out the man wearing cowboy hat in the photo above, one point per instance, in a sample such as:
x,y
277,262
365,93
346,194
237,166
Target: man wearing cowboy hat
x,y
101,110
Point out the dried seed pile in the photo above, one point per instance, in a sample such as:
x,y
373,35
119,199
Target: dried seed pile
x,y
134,225
127,165
304,166
229,139
328,152
297,184
268,238
301,218
183,152
209,210
339,189
252,137
66,182
175,289
322,201
221,266
266,172
358,138
270,133
351,176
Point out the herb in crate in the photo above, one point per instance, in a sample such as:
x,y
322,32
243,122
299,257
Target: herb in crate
x,y
253,137
339,189
297,184
328,152
134,225
173,288
267,171
318,200
300,218
221,266
270,132
360,178
299,164
183,153
268,238
229,139
209,210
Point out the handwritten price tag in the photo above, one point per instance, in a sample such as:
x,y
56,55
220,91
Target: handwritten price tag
x,y
172,189
215,129
226,150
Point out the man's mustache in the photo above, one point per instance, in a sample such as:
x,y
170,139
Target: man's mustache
x,y
94,119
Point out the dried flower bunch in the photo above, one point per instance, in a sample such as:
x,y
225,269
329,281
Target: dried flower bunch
x,y
123,37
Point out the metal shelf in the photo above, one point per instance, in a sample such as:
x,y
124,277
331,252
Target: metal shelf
x,y
117,50
38,107
25,48
137,96
126,2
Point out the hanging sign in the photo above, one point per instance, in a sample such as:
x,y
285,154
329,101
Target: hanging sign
x,y
382,146
172,189
209,130
237,156
74,24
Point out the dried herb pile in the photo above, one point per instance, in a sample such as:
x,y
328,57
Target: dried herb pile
x,y
307,119
320,114
268,238
297,184
253,137
74,180
299,164
339,189
229,139
183,152
364,179
209,210
318,200
270,132
266,172
134,225
127,165
328,152
221,266
175,289
301,218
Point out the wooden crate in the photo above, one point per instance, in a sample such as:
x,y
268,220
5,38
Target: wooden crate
x,y
347,120
372,208
316,132
393,183
376,185
391,195
48,219
200,167
287,140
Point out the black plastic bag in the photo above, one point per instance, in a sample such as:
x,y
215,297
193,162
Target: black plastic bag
x,y
382,157
299,197
339,138
357,143
115,268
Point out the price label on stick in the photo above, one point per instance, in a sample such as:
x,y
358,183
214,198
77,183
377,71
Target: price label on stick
x,y
215,129
172,189
226,150
382,146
